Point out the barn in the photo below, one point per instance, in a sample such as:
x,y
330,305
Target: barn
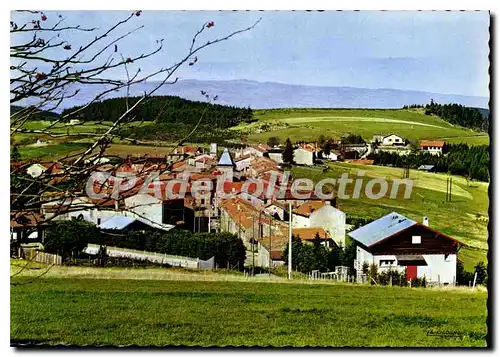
x,y
399,243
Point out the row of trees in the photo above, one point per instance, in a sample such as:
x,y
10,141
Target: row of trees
x,y
307,257
163,109
68,238
457,114
461,159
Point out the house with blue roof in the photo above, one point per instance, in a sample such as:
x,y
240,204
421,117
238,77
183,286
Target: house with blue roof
x,y
400,243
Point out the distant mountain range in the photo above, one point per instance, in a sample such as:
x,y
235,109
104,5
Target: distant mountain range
x,y
264,95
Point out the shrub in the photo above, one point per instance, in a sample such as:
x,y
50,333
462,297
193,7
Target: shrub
x,y
482,273
68,238
227,248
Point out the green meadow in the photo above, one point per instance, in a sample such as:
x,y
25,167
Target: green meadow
x,y
104,312
309,124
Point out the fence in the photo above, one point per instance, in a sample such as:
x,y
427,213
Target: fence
x,y
41,257
173,260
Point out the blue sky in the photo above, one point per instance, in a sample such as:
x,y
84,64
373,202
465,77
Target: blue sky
x,y
442,52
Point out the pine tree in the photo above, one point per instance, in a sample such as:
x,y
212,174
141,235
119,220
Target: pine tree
x,y
288,152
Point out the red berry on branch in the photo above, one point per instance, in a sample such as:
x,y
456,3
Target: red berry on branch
x,y
40,76
128,60
44,17
138,13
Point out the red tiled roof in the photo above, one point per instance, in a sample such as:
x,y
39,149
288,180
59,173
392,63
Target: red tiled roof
x,y
309,207
309,233
436,143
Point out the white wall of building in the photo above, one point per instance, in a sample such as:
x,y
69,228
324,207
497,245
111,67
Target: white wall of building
x,y
303,157
146,206
332,156
277,157
434,150
299,221
332,220
393,140
253,152
439,268
243,164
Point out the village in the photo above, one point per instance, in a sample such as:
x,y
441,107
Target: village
x,y
265,223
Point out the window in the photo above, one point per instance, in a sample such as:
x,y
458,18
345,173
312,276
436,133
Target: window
x,y
416,239
386,262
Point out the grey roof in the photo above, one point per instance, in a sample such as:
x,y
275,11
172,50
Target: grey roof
x,y
122,222
426,167
381,228
117,222
226,159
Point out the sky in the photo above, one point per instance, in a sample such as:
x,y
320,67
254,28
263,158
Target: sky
x,y
440,52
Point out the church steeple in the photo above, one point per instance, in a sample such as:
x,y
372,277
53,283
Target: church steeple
x,y
226,165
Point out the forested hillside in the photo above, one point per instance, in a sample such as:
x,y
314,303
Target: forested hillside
x,y
39,115
169,118
474,118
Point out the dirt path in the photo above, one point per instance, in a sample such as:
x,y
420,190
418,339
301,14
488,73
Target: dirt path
x,y
358,119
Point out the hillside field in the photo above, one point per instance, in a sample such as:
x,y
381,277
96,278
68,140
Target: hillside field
x,y
296,124
124,312
309,124
465,218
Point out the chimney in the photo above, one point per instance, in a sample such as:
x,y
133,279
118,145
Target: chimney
x,y
426,221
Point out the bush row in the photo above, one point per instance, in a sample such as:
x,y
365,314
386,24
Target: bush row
x,y
68,238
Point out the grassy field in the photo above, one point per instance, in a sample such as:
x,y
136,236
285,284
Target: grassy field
x,y
465,218
58,147
309,124
200,313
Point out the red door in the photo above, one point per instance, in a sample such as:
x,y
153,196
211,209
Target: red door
x,y
411,272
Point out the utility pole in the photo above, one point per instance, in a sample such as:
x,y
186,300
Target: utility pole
x,y
270,249
451,185
447,187
209,216
290,241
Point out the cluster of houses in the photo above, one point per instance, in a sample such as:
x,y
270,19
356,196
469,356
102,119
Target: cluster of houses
x,y
260,220
309,154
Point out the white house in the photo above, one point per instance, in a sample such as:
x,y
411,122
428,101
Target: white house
x,y
393,140
243,162
434,147
332,156
399,243
276,154
304,156
323,215
256,150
